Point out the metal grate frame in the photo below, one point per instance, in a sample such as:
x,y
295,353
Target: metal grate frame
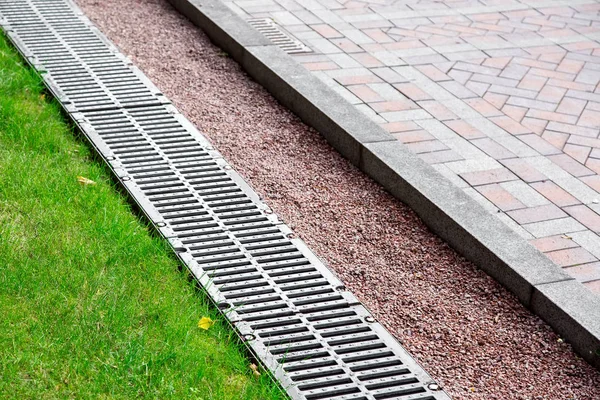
x,y
312,334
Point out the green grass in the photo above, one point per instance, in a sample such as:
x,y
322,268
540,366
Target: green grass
x,y
92,305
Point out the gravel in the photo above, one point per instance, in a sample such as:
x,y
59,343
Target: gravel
x,y
469,333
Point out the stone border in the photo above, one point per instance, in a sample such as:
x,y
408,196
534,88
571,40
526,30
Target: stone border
x,y
566,305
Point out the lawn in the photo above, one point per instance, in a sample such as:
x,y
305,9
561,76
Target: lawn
x,y
92,304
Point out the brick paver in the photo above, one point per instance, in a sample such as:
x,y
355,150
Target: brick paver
x,y
503,98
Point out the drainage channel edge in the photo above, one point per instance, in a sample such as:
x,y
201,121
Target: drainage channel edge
x,y
312,334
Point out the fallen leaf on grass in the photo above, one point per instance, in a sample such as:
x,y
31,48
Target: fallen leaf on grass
x,y
85,181
254,369
205,323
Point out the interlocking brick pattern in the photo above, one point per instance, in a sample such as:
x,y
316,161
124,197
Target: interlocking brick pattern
x,y
500,96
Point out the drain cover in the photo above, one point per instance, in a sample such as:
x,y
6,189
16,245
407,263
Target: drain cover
x,y
275,34
292,312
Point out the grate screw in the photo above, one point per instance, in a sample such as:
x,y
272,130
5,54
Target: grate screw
x,y
433,386
161,224
369,319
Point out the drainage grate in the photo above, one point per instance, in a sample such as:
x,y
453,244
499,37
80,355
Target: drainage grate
x,y
275,34
291,311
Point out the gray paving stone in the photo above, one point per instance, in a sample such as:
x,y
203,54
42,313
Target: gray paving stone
x,y
524,193
408,115
588,240
554,227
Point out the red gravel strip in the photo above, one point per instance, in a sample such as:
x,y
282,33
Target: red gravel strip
x,y
466,330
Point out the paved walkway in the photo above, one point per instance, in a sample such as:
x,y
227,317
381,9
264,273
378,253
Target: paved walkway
x,y
502,97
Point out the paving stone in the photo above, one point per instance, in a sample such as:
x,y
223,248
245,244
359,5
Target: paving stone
x,y
571,257
552,243
499,197
555,193
490,176
586,272
570,165
525,193
493,148
437,157
523,170
554,227
585,215
537,214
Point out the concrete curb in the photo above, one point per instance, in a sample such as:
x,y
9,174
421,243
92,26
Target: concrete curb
x,y
565,304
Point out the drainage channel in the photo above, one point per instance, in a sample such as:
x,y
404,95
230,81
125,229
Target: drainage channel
x,y
312,334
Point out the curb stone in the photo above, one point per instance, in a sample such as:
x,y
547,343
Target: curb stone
x,y
565,304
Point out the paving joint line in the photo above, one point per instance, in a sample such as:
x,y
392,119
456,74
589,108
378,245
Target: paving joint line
x,y
446,209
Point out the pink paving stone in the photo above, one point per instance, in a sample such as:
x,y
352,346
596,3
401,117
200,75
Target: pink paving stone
x,y
399,105
364,93
497,62
555,193
594,286
536,214
320,66
378,35
400,126
532,82
570,165
570,257
346,45
592,181
433,73
536,125
590,119
586,272
571,106
579,153
570,66
440,157
366,60
437,110
495,99
484,108
515,112
523,170
593,164
552,243
539,144
551,94
326,31
500,197
585,215
552,74
490,176
428,146
510,125
464,129
412,91
413,136
551,116
556,139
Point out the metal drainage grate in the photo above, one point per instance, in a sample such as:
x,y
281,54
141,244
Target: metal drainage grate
x,y
292,312
275,34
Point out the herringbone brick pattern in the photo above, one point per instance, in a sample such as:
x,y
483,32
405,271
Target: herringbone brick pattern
x,y
502,97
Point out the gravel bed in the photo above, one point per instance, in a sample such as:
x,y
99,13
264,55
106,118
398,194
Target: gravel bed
x,y
471,334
